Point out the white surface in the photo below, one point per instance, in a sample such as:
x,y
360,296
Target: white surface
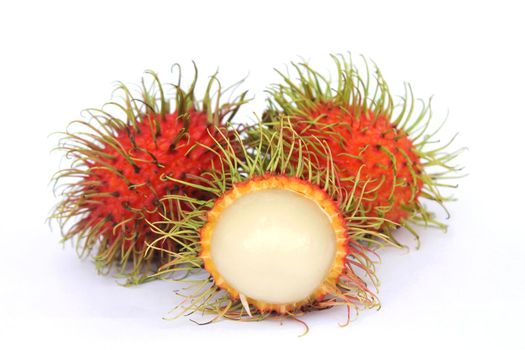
x,y
274,245
464,288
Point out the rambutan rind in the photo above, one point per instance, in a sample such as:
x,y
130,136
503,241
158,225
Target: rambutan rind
x,y
370,133
122,158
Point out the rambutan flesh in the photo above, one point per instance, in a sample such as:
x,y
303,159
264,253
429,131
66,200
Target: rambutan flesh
x,y
121,164
378,144
275,258
277,237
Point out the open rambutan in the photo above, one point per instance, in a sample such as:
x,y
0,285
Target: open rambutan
x,y
370,134
277,238
122,158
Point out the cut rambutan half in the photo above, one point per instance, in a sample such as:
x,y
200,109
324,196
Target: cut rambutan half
x,y
276,242
378,144
122,159
277,237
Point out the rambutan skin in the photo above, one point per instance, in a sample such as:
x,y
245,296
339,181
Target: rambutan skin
x,y
382,147
122,168
136,188
372,146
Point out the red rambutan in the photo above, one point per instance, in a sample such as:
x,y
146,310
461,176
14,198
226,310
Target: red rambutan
x,y
380,145
121,167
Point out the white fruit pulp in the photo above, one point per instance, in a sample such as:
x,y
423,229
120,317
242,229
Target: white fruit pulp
x,y
274,245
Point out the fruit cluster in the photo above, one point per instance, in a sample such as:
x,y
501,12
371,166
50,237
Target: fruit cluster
x,y
286,214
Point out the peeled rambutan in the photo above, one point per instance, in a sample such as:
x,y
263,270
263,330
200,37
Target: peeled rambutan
x,y
278,238
122,160
378,144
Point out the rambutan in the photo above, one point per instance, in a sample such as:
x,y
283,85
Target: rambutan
x,y
370,134
277,237
122,158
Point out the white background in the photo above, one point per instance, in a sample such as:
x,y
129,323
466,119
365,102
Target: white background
x,y
463,288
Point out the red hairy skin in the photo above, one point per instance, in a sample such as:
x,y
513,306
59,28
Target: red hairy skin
x,y
381,147
372,146
143,184
129,172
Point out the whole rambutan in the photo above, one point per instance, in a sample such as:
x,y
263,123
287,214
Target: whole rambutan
x,y
379,144
278,238
122,158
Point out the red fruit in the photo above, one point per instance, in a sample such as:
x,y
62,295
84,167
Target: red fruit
x,y
382,154
381,148
121,171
